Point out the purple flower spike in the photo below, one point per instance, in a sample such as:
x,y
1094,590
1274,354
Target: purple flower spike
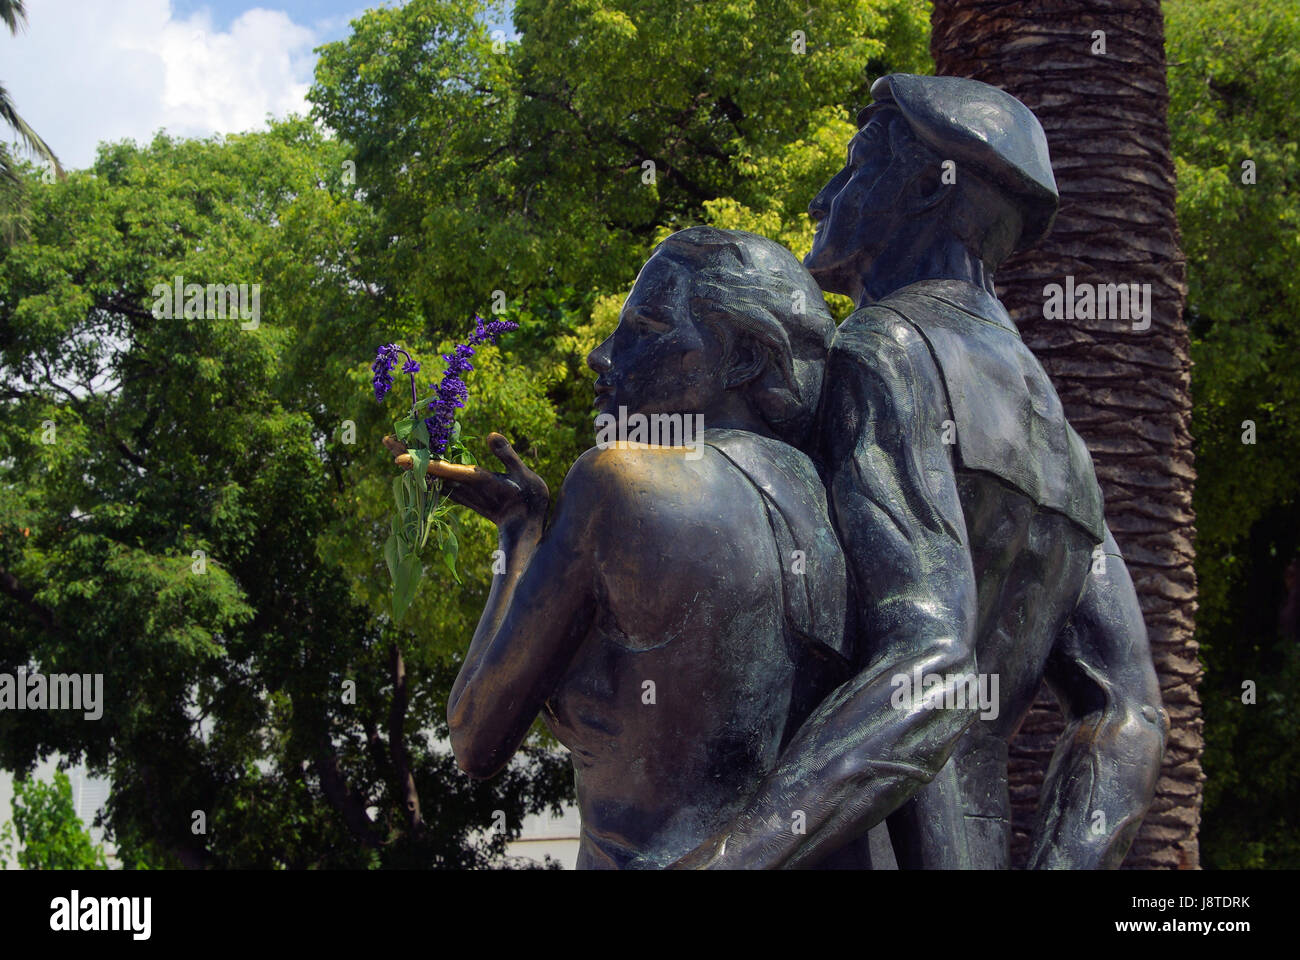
x,y
484,332
458,360
385,360
450,393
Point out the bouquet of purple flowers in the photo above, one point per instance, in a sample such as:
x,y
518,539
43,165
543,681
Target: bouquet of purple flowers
x,y
422,503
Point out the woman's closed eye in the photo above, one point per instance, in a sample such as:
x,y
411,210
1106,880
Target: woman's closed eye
x,y
653,325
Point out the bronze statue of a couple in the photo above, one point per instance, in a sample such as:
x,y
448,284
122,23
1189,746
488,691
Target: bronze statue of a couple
x,y
839,613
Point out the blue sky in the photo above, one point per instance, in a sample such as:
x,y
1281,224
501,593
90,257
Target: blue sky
x,y
224,12
87,71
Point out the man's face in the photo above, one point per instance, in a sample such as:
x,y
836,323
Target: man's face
x,y
658,360
855,211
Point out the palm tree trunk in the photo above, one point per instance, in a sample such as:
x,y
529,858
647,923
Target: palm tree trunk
x,y
1125,391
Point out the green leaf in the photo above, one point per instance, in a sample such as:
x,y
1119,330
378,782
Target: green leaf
x,y
390,552
409,570
421,433
431,521
450,552
402,429
407,521
420,460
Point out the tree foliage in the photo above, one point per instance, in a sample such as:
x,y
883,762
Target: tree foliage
x,y
169,485
45,832
13,213
1234,70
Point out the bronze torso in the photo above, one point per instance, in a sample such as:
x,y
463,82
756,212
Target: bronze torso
x,y
738,638
1033,516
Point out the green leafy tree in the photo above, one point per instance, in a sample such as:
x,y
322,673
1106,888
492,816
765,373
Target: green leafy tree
x,y
1234,69
45,832
558,160
163,483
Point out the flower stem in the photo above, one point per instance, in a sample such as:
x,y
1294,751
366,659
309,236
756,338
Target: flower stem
x,y
415,398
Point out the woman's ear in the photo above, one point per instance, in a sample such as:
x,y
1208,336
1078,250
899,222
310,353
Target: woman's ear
x,y
745,362
740,359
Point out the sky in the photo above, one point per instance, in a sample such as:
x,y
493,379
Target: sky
x,y
86,71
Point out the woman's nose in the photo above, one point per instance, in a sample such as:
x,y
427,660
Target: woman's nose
x,y
598,359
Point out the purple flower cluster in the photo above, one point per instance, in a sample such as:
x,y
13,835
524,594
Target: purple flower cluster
x,y
451,393
385,360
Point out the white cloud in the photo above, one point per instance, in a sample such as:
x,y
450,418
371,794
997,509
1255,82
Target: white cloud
x,y
87,71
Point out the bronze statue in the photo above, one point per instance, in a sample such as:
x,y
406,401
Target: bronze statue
x,y
682,623
681,614
970,516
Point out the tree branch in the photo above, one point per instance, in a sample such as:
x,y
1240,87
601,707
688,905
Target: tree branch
x,y
130,454
343,798
397,742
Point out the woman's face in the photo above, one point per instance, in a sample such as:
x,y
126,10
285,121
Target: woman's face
x,y
659,359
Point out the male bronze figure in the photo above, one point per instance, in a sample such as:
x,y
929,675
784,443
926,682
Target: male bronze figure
x,y
970,516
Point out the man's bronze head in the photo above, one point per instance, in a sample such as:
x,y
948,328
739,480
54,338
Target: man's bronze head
x,y
936,161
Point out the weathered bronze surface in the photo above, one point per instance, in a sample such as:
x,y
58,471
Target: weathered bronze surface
x,y
728,643
684,610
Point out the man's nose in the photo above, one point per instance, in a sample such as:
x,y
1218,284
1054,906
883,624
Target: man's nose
x,y
820,207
